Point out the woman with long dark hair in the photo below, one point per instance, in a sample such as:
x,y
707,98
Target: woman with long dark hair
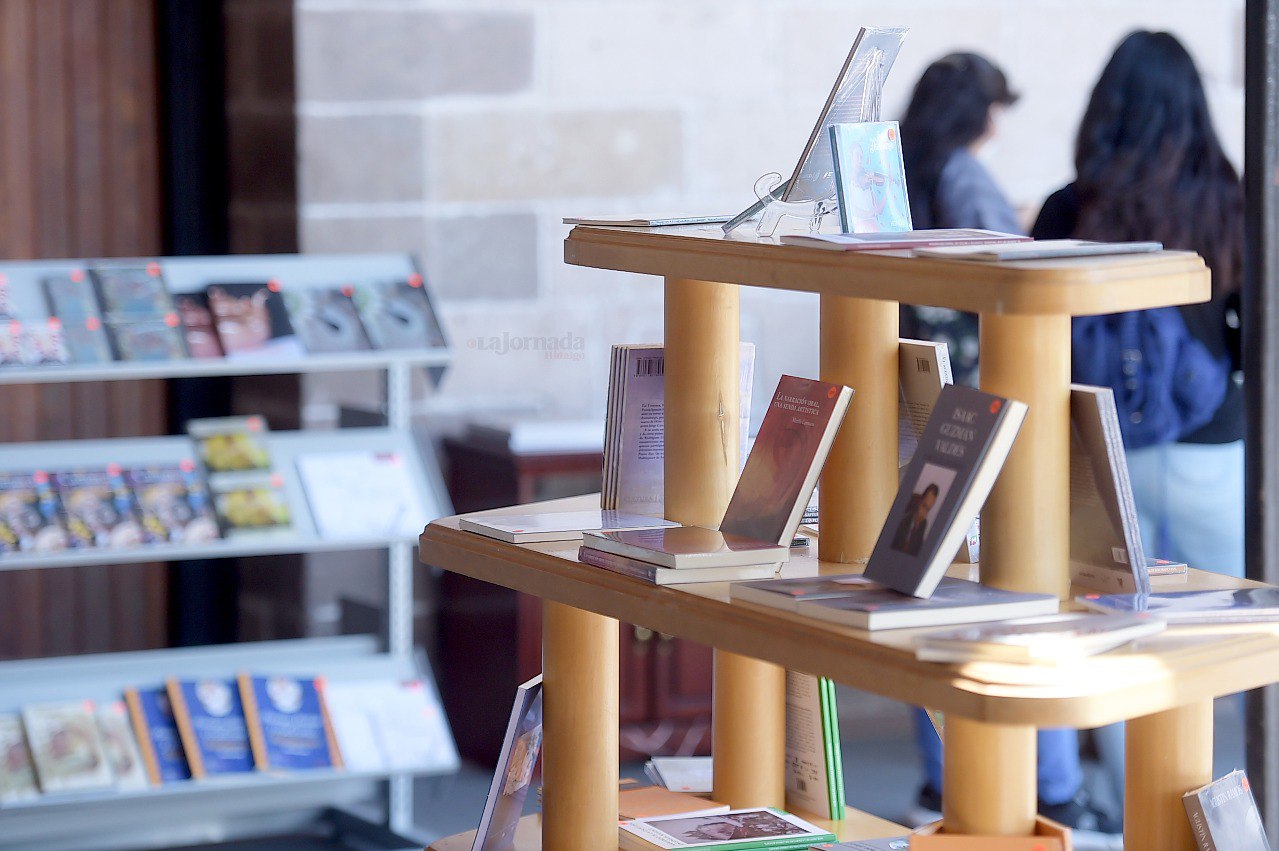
x,y
1149,166
953,112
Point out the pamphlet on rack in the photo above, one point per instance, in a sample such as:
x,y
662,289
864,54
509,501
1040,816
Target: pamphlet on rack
x,y
362,495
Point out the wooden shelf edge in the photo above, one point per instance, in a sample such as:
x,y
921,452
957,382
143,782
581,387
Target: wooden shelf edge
x,y
856,825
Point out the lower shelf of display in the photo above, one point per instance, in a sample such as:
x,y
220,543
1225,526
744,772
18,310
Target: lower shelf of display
x,y
856,825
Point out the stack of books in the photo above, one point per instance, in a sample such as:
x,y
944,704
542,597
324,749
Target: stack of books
x,y
959,453
764,512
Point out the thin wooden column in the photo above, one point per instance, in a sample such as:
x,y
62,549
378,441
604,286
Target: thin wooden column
x,y
1168,754
579,727
989,785
1026,521
703,350
701,469
859,349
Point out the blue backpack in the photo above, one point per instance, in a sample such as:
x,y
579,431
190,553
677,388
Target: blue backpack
x,y
1166,381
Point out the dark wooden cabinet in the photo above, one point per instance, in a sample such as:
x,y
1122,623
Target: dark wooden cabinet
x,y
490,637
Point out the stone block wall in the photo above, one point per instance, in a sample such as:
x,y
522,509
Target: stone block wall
x,y
464,131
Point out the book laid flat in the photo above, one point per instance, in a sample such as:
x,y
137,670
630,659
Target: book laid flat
x,y
1165,567
787,593
17,774
121,747
359,494
157,734
1244,605
905,239
954,601
211,721
635,429
894,843
955,465
1223,815
637,801
1106,552
814,759
692,774
650,221
514,770
1042,249
289,726
756,828
66,747
556,525
650,572
870,177
1051,639
685,547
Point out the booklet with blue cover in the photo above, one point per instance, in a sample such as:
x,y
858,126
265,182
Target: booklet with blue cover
x,y
157,734
870,177
289,725
211,722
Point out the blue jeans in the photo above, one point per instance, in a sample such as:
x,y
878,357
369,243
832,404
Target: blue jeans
x,y
1059,773
1190,505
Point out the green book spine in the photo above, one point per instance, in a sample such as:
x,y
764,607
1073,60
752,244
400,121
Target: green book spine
x,y
835,760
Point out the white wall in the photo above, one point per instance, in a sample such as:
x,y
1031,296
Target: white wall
x,y
465,129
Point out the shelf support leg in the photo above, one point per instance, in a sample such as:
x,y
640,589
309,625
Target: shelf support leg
x,y
702,360
859,349
989,778
703,350
579,728
1168,754
1025,523
748,732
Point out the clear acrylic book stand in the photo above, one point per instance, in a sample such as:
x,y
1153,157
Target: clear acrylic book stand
x,y
809,195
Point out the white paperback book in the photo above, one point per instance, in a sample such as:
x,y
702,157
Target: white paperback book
x,y
406,719
808,774
923,369
363,495
557,525
635,428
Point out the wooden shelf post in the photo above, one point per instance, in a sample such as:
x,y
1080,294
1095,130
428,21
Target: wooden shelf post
x,y
1025,524
859,349
989,779
579,728
1168,754
702,372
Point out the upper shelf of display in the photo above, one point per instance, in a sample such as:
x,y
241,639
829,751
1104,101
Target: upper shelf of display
x,y
1076,286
